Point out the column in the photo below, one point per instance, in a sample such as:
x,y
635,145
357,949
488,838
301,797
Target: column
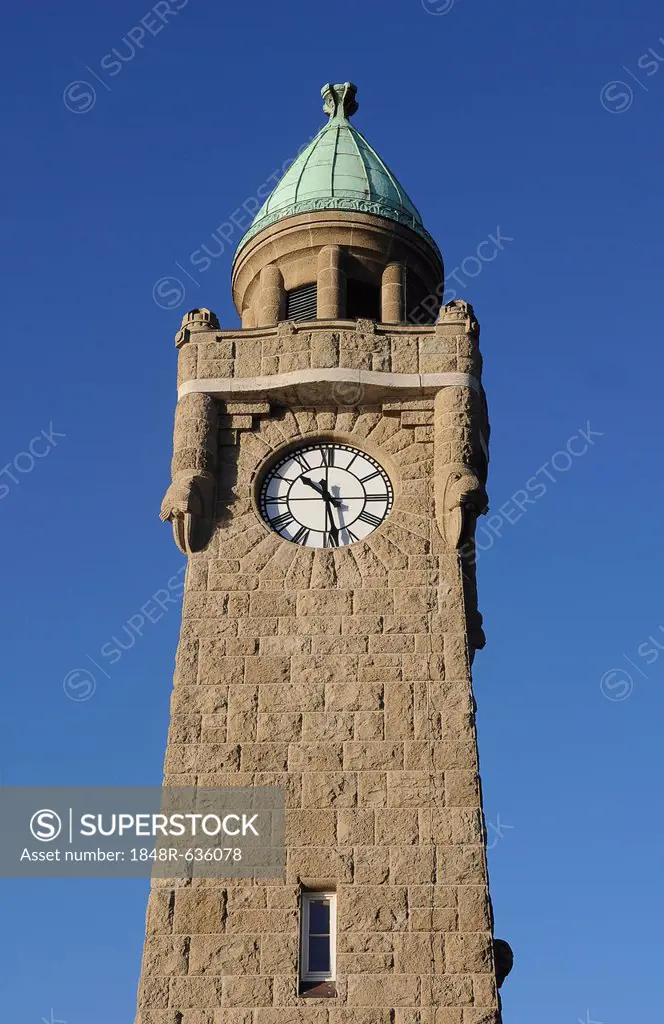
x,y
393,293
331,278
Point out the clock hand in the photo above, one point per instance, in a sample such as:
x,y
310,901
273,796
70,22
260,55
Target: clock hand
x,y
333,530
326,494
305,480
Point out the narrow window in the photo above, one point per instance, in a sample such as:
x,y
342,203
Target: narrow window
x,y
362,300
318,939
301,303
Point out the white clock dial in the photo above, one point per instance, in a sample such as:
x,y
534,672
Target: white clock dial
x,y
325,495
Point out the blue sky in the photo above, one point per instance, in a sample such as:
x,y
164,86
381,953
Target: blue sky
x,y
496,116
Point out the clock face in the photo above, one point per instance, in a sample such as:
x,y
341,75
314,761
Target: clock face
x,y
325,495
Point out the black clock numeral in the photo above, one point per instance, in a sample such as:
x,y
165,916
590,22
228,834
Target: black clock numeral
x,y
372,476
375,497
331,539
301,461
302,536
351,535
285,519
328,456
370,518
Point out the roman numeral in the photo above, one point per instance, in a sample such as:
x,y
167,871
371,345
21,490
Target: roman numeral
x,y
372,476
369,517
301,461
285,519
375,497
332,537
328,456
302,536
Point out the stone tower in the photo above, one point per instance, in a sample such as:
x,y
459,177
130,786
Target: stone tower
x,y
329,464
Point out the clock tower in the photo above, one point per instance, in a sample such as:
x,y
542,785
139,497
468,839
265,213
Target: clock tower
x,y
329,465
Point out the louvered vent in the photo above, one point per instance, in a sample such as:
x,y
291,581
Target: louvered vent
x,y
301,303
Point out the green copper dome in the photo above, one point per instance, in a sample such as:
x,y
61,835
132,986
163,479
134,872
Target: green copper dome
x,y
338,170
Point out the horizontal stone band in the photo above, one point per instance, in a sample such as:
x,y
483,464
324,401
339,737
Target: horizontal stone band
x,y
316,384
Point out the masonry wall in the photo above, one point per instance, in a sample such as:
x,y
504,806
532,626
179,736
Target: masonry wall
x,y
344,677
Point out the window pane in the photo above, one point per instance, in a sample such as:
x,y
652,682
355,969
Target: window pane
x,y
319,954
319,917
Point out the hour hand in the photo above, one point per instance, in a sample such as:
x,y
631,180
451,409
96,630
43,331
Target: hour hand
x,y
306,480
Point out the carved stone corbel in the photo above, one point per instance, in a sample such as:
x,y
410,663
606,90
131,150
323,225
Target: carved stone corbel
x,y
462,498
189,502
189,505
459,464
460,468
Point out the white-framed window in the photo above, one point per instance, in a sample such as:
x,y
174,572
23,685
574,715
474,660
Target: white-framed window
x,y
318,936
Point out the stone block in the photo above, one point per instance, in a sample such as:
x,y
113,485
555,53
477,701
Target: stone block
x,y
474,909
324,602
328,727
224,954
372,909
484,990
226,1016
478,1015
436,919
372,789
246,991
267,670
468,953
264,757
384,990
284,727
215,667
351,695
311,828
246,897
412,866
317,669
367,942
462,788
373,602
379,668
199,912
313,757
279,954
255,922
195,992
290,1015
355,827
319,865
398,827
270,603
460,865
372,865
365,963
417,953
369,725
164,956
331,789
161,904
290,697
372,756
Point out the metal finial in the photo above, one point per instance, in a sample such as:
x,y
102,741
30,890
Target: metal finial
x,y
339,100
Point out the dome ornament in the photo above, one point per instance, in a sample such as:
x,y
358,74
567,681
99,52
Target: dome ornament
x,y
339,100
